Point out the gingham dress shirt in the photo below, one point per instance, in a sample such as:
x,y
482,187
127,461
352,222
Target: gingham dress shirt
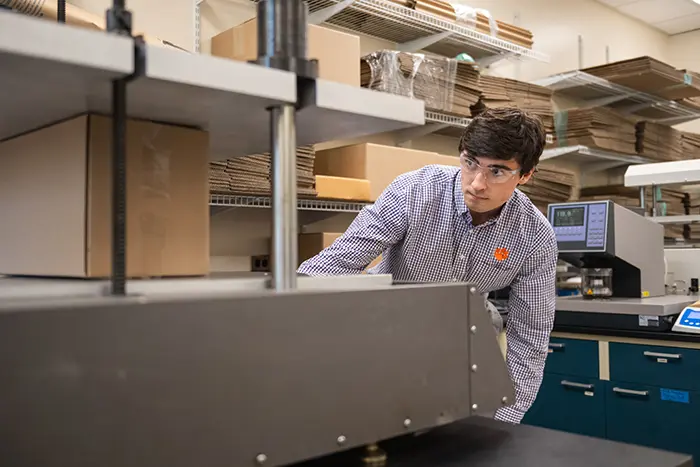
x,y
423,229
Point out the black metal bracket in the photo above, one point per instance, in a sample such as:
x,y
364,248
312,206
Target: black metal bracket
x,y
119,21
61,11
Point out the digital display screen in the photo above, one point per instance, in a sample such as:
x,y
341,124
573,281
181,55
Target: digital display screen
x,y
569,217
694,315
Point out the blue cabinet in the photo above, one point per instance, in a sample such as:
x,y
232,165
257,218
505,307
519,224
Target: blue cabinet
x,y
647,415
655,365
571,397
573,357
570,403
652,398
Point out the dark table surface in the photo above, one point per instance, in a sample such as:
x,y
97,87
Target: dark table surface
x,y
481,442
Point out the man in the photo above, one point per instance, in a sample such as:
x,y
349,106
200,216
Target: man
x,y
469,224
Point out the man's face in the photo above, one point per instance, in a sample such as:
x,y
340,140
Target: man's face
x,y
488,183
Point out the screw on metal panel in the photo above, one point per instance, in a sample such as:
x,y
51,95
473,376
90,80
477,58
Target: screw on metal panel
x,y
504,400
473,329
474,406
260,459
341,440
474,368
473,290
407,422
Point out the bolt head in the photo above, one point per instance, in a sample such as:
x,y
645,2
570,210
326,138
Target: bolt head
x,y
474,368
473,329
473,290
341,440
504,400
407,423
475,406
260,459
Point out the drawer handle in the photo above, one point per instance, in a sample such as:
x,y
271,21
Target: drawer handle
x,y
555,345
674,356
631,392
572,384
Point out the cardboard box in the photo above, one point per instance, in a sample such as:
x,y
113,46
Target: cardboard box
x,y
342,188
311,244
338,53
57,181
76,16
378,164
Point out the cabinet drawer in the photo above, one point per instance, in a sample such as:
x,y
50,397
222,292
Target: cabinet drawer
x,y
570,403
653,417
573,357
655,365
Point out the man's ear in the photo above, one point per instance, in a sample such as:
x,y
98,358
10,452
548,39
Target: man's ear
x,y
526,178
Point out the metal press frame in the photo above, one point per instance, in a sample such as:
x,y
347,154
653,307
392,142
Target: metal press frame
x,y
281,45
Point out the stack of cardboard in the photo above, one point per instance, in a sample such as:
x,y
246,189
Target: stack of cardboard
x,y
690,145
504,92
659,142
446,85
670,202
455,11
250,175
549,185
651,76
596,128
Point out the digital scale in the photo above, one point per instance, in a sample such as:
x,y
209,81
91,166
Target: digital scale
x,y
688,320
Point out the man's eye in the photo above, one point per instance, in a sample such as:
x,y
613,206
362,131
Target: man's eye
x,y
471,163
497,172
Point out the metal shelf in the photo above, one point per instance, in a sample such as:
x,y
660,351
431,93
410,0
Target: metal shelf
x,y
584,154
452,125
664,173
237,201
50,72
332,111
414,30
682,219
598,92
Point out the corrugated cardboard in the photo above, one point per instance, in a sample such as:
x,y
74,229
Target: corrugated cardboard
x,y
343,188
378,164
59,181
338,53
311,244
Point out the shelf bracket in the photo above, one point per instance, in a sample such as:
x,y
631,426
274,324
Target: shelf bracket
x,y
423,42
324,14
605,101
401,137
632,109
486,62
677,119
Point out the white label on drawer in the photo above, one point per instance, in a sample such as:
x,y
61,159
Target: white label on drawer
x,y
589,393
661,360
649,321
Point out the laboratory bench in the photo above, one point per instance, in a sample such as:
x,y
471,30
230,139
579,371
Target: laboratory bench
x,y
479,441
636,387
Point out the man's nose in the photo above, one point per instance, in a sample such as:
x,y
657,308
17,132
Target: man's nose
x,y
479,182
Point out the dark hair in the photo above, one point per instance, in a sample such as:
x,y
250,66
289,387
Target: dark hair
x,y
505,133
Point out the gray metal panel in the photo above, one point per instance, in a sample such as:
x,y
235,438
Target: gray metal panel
x,y
640,242
21,288
149,383
491,386
653,306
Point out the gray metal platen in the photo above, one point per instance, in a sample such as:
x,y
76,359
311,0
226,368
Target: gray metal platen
x,y
225,381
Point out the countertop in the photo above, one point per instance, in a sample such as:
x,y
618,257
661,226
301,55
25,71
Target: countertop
x,y
482,442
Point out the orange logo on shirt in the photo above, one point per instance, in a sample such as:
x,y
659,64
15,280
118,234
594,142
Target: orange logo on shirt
x,y
500,254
